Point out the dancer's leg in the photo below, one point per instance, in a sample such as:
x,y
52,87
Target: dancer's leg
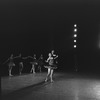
x,y
21,70
51,75
10,69
33,68
49,70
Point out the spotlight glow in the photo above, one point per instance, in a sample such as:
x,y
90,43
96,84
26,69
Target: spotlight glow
x,y
74,40
75,30
75,35
75,25
75,46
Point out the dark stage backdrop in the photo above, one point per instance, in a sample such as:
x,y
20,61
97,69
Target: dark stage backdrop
x,y
30,27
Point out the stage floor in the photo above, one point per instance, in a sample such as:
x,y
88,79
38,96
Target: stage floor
x,y
66,86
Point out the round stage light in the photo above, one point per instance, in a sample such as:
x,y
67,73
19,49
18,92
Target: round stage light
x,y
75,25
75,46
75,35
75,30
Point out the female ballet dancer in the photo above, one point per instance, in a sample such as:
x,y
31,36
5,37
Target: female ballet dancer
x,y
20,67
40,63
34,63
11,64
50,67
20,63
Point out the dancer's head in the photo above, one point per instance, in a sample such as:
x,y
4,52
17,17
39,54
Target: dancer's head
x,y
49,54
52,51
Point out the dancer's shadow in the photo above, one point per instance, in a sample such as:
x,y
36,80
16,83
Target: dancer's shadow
x,y
24,91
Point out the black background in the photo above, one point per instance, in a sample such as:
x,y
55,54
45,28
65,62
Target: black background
x,y
29,26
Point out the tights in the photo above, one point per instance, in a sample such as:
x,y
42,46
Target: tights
x,y
50,73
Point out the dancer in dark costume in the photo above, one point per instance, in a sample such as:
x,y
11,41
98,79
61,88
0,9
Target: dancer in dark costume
x,y
19,60
34,64
50,67
40,63
20,63
20,67
11,64
26,62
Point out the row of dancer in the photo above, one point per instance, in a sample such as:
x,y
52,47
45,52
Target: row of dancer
x,y
50,64
11,63
35,62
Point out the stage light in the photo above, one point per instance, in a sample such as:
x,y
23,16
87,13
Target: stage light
x,y
75,25
75,46
74,40
75,35
75,30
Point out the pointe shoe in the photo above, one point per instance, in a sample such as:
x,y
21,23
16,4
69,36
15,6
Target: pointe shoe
x,y
45,80
52,81
10,75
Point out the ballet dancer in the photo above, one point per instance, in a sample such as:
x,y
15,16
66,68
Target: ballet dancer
x,y
20,67
11,64
34,63
50,67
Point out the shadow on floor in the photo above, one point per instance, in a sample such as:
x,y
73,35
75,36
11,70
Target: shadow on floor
x,y
21,92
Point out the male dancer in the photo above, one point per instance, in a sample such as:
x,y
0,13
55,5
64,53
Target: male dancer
x,y
51,67
54,55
